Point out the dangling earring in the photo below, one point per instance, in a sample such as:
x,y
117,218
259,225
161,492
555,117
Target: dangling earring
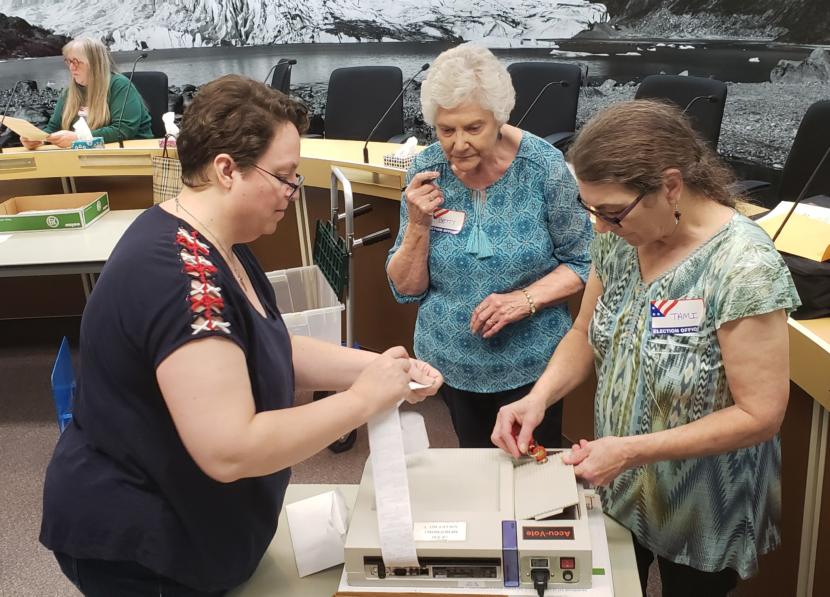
x,y
676,215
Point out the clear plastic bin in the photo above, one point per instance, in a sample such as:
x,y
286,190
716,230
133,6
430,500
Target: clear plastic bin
x,y
308,305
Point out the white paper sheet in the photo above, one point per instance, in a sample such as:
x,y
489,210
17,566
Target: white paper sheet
x,y
815,212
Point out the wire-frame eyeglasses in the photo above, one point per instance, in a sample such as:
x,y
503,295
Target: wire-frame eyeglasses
x,y
294,186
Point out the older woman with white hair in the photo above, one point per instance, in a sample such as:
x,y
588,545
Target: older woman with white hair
x,y
492,242
112,106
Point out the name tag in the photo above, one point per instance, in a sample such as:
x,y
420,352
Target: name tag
x,y
676,316
447,220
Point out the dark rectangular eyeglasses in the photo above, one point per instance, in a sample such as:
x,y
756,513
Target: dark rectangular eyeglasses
x,y
613,220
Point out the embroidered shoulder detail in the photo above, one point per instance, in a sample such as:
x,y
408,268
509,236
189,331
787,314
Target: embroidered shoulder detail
x,y
206,302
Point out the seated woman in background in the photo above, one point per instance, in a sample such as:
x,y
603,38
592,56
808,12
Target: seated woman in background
x,y
684,321
99,91
493,275
172,474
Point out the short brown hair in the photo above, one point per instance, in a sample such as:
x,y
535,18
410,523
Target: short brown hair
x,y
234,115
632,143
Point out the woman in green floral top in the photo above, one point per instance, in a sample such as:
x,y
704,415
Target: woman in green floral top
x,y
684,319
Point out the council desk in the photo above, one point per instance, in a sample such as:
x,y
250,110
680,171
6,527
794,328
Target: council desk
x,y
793,569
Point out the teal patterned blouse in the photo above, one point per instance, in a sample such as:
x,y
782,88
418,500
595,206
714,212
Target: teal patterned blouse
x,y
528,223
711,512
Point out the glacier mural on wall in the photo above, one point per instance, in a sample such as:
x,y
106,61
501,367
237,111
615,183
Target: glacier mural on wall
x,y
125,24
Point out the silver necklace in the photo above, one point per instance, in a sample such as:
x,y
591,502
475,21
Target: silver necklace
x,y
229,255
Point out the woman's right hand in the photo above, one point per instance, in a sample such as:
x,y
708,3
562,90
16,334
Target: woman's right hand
x,y
422,198
30,143
515,424
384,381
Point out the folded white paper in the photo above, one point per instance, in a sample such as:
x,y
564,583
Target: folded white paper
x,y
318,531
170,128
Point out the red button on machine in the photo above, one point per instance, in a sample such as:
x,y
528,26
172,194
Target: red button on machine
x,y
567,563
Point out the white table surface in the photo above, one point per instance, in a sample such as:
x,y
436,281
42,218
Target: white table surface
x,y
276,575
74,251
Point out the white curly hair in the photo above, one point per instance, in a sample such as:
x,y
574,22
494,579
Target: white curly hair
x,y
468,72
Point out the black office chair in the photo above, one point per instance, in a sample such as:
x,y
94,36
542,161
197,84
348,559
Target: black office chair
x,y
152,85
706,114
357,98
811,142
281,79
553,115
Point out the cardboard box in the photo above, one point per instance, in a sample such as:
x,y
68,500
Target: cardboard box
x,y
52,212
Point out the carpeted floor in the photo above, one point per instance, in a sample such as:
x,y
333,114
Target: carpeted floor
x,y
28,432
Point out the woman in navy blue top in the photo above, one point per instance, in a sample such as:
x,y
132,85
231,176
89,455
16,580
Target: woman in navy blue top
x,y
170,479
492,242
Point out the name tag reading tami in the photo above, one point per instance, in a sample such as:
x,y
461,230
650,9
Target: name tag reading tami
x,y
447,220
676,316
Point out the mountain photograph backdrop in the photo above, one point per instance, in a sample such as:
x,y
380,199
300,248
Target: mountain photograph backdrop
x,y
126,24
131,24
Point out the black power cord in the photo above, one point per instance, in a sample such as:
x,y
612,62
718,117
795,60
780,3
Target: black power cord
x,y
540,577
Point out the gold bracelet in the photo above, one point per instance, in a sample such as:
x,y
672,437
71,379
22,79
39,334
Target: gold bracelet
x,y
530,302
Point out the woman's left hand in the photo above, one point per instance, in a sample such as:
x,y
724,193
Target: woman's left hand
x,y
498,310
62,139
601,461
424,373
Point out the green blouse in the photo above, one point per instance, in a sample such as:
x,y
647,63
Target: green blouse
x,y
711,512
132,123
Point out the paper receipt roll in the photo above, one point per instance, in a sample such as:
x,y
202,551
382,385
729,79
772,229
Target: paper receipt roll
x,y
397,544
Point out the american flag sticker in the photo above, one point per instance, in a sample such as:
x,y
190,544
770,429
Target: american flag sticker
x,y
447,220
676,316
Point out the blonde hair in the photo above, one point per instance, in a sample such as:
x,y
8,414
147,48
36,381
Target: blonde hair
x,y
94,96
632,143
468,72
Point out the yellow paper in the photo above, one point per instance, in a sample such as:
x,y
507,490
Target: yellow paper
x,y
802,236
24,128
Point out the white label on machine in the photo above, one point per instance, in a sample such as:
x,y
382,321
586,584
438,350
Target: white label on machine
x,y
440,531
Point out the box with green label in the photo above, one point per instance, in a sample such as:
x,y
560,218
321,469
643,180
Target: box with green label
x,y
52,212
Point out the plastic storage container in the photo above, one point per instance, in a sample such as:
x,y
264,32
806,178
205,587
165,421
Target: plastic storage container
x,y
308,305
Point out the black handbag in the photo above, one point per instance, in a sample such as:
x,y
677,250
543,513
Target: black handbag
x,y
811,278
812,281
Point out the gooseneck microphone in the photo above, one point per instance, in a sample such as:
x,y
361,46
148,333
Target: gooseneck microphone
x,y
288,61
710,99
562,84
9,103
141,56
802,193
389,109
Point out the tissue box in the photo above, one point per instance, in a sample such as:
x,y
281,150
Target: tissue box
x,y
95,143
403,163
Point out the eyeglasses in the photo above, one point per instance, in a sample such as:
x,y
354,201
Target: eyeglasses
x,y
73,62
613,220
294,186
